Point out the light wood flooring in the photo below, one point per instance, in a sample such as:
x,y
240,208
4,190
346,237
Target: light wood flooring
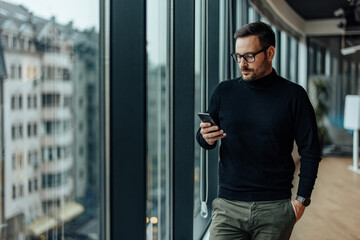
x,y
334,212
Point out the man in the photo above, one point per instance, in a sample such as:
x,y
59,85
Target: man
x,y
258,117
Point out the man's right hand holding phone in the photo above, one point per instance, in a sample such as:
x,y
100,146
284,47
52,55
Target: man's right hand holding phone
x,y
211,133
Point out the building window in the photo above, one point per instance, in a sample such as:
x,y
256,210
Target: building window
x,y
50,155
13,102
32,129
66,74
19,72
20,102
35,184
15,42
50,100
21,190
14,192
30,44
36,160
13,132
29,130
30,187
32,101
29,157
12,71
13,161
16,102
20,131
59,150
16,131
35,101
53,180
20,157
29,101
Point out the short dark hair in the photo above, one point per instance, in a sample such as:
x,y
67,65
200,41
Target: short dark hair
x,y
262,30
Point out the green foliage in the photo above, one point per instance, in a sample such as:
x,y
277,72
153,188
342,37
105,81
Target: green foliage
x,y
319,89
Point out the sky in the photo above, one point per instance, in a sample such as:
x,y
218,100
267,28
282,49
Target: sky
x,y
83,13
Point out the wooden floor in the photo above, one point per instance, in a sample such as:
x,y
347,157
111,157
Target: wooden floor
x,y
334,212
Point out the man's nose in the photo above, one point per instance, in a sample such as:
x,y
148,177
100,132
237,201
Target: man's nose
x,y
243,62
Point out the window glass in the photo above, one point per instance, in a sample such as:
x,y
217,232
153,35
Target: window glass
x,y
251,15
158,168
311,60
358,88
43,197
284,54
319,60
199,70
352,78
293,61
200,191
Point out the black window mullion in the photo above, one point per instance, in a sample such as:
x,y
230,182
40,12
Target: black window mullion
x,y
127,119
183,119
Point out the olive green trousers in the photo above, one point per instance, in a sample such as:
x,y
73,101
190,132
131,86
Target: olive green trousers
x,y
261,220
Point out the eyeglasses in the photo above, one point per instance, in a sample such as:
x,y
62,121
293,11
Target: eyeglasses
x,y
249,57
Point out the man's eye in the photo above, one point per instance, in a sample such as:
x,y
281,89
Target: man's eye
x,y
249,56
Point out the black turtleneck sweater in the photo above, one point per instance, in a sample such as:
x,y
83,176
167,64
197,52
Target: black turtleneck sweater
x,y
261,119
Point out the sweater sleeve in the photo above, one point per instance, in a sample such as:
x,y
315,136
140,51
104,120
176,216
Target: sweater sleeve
x,y
307,139
213,110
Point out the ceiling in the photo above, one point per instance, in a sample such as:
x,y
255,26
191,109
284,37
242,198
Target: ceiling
x,y
316,9
324,9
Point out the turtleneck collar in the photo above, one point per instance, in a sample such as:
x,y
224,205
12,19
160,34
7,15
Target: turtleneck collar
x,y
264,82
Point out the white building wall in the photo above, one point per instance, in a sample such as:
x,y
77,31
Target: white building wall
x,y
23,116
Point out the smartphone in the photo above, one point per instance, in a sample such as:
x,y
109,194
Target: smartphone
x,y
205,117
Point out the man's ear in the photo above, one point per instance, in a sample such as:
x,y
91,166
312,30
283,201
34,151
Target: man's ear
x,y
270,53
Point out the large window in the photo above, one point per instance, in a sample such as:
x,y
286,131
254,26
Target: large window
x,y
199,67
158,90
50,190
201,196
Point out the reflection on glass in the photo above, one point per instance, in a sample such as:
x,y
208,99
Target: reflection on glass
x,y
50,126
284,55
352,78
197,98
293,60
358,84
157,205
251,15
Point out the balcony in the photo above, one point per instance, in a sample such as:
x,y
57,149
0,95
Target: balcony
x,y
57,166
57,139
51,113
50,86
50,194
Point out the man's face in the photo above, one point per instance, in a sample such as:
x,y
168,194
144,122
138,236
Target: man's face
x,y
262,65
